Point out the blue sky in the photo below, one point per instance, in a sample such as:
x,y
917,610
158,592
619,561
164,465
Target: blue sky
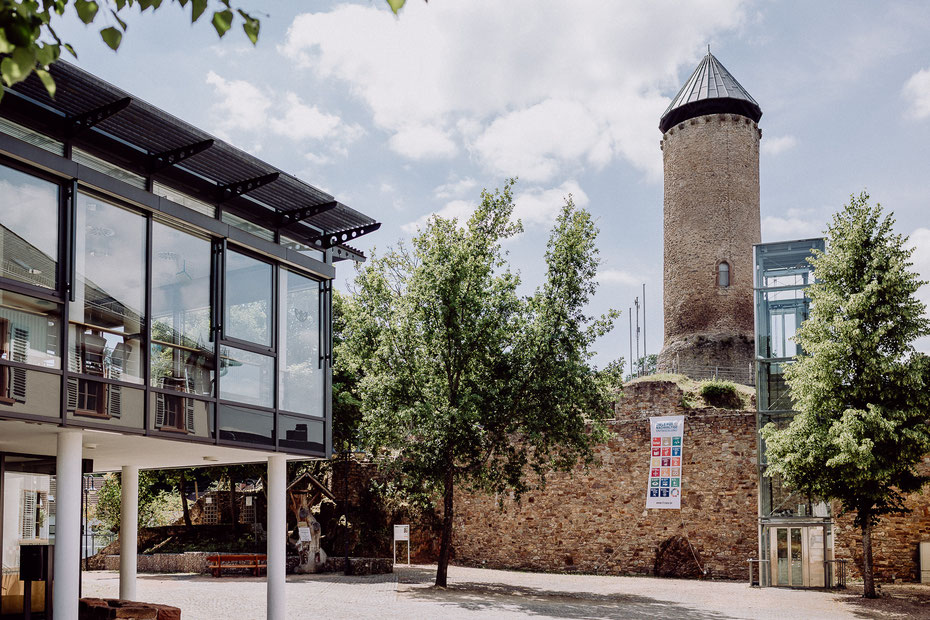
x,y
403,117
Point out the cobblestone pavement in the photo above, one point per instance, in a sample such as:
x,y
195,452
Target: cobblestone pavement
x,y
480,593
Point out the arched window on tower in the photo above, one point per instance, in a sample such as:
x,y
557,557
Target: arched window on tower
x,y
723,274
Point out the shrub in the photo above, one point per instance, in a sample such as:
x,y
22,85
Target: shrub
x,y
723,394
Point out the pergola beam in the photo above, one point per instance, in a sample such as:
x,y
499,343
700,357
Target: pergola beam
x,y
166,159
336,238
304,213
85,120
225,192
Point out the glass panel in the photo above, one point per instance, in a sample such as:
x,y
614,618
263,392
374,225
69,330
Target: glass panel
x,y
247,226
115,405
95,163
32,137
303,248
183,199
30,391
176,414
781,536
28,519
29,330
796,568
182,354
248,299
106,318
183,369
301,434
246,377
301,378
28,229
246,425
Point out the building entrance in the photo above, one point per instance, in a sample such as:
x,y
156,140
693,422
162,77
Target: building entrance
x,y
799,555
27,514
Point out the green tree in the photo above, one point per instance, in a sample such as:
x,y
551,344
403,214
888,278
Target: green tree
x,y
347,411
464,382
860,389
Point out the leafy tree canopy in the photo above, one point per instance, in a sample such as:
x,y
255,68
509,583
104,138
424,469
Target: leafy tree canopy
x,y
462,380
861,390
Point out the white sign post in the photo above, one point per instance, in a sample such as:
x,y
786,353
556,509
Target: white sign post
x,y
402,533
665,462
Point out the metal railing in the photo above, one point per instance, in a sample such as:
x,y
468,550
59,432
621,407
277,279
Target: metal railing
x,y
737,374
762,571
834,572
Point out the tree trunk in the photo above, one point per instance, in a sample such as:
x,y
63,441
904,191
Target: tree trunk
x,y
445,545
182,489
868,579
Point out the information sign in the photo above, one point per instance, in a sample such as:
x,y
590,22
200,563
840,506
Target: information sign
x,y
665,462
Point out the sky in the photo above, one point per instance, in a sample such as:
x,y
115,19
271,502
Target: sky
x,y
401,117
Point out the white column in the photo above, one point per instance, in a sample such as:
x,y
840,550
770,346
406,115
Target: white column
x,y
277,536
128,531
67,525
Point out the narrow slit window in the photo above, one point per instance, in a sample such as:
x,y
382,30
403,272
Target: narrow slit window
x,y
723,274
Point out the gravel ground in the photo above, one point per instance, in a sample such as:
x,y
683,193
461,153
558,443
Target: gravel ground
x,y
480,593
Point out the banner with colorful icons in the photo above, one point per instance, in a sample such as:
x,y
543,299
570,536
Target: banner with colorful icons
x,y
665,462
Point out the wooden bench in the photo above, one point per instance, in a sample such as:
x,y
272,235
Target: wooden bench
x,y
252,561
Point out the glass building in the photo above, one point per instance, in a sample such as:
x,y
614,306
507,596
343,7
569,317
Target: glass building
x,y
164,302
795,531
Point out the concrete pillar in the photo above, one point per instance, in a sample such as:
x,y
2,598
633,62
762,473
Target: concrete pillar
x,y
277,536
67,525
128,531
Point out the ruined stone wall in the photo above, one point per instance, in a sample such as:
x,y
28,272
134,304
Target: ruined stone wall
x,y
895,542
596,521
711,214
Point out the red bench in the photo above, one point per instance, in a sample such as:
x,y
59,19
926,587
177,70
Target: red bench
x,y
252,561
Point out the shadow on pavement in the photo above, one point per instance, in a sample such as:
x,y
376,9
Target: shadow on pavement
x,y
487,597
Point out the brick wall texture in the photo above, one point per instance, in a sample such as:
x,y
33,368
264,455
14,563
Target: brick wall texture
x,y
711,214
595,521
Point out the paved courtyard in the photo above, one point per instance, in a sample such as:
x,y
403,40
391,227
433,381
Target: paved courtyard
x,y
479,593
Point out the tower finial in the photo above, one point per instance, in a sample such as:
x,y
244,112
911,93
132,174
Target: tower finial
x,y
708,48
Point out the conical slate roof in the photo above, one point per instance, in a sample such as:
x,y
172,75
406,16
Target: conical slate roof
x,y
711,89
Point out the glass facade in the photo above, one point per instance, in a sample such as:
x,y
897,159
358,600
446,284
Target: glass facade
x,y
300,362
782,274
113,317
248,299
28,229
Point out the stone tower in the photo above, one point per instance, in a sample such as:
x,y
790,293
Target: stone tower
x,y
710,151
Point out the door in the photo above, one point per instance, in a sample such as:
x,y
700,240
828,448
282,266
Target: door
x,y
788,554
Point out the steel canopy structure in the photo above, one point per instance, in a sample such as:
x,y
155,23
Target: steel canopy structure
x,y
93,115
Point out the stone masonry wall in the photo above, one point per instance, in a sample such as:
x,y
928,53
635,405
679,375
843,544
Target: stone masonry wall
x,y
596,521
895,542
711,214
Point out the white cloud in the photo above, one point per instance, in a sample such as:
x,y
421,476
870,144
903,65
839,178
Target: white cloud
x,y
537,142
917,91
445,77
423,142
455,188
617,276
459,209
242,105
920,241
538,206
245,110
777,145
796,224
